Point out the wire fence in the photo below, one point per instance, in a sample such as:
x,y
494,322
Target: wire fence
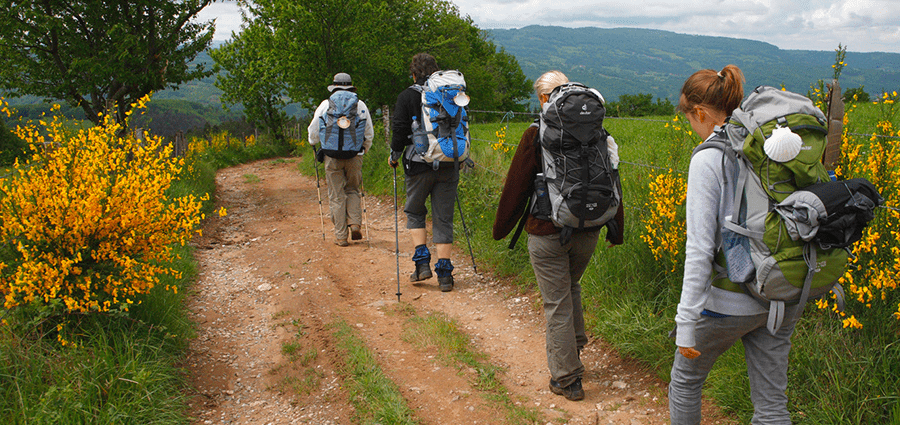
x,y
508,114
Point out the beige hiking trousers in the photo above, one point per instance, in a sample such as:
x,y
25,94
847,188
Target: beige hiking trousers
x,y
344,177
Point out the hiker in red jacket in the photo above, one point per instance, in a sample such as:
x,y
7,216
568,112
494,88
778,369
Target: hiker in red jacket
x,y
557,268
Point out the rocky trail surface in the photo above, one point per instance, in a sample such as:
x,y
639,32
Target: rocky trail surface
x,y
270,288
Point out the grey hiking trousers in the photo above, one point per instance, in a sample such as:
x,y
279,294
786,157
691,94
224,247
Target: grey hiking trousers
x,y
441,186
344,176
558,271
767,362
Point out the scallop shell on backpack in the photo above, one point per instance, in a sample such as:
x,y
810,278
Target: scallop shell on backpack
x,y
783,145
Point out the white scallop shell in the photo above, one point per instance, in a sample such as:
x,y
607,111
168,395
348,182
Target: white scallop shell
x,y
783,145
461,99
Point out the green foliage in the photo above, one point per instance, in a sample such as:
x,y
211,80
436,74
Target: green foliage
x,y
374,42
639,105
857,94
251,78
98,54
11,146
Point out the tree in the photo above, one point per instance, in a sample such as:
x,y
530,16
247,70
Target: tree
x,y
639,105
11,146
252,79
101,56
857,94
374,42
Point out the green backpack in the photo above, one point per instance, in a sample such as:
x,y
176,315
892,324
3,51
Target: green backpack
x,y
758,255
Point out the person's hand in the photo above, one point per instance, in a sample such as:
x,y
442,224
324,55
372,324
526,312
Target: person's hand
x,y
392,161
689,352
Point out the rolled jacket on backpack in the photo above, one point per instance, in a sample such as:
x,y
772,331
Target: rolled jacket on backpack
x,y
831,213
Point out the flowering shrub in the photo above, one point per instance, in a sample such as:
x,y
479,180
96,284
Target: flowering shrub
x,y
665,227
872,279
218,142
85,223
501,145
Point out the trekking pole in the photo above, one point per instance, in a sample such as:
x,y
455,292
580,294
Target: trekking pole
x,y
318,190
396,235
362,194
466,230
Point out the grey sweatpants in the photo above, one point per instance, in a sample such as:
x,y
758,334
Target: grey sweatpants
x,y
558,271
344,176
767,362
441,186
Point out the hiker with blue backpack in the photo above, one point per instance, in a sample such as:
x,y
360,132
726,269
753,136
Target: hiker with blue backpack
x,y
430,138
343,127
563,188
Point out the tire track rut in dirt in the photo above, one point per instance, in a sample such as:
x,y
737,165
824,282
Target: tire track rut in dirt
x,y
268,281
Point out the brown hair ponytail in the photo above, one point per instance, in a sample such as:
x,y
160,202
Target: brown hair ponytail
x,y
721,90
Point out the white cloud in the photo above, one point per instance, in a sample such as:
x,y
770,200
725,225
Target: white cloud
x,y
227,15
862,25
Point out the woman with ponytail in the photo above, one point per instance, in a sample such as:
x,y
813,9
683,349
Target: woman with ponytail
x,y
710,319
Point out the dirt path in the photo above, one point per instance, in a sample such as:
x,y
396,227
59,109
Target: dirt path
x,y
270,287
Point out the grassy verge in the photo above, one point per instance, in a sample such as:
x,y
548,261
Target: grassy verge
x,y
114,368
376,398
453,346
111,368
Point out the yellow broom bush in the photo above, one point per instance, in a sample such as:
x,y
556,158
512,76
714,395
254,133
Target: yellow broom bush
x,y
873,278
85,223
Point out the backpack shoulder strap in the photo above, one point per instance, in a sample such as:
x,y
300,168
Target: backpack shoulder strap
x,y
524,218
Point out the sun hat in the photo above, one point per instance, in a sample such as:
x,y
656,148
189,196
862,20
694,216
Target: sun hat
x,y
341,82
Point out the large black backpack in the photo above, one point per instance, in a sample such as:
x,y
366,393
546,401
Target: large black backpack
x,y
582,188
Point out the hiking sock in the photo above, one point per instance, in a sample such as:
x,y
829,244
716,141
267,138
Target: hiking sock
x,y
422,258
422,255
444,270
443,267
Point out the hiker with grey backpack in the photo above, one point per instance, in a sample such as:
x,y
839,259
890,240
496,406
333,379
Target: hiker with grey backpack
x,y
343,127
757,197
562,188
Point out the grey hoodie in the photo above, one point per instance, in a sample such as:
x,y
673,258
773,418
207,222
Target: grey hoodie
x,y
707,207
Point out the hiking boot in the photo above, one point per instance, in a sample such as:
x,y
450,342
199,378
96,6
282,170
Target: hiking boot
x,y
446,283
355,234
341,242
573,392
423,271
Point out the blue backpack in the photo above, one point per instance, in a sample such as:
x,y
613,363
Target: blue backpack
x,y
341,128
441,132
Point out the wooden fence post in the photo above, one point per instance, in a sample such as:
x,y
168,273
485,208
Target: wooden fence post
x,y
835,118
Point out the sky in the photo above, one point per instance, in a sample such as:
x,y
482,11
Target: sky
x,y
860,25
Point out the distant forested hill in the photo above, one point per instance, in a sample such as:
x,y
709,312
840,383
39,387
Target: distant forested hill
x,y
616,61
630,61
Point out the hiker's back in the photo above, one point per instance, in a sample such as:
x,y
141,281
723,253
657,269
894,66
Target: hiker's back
x,y
582,185
341,127
441,132
776,140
